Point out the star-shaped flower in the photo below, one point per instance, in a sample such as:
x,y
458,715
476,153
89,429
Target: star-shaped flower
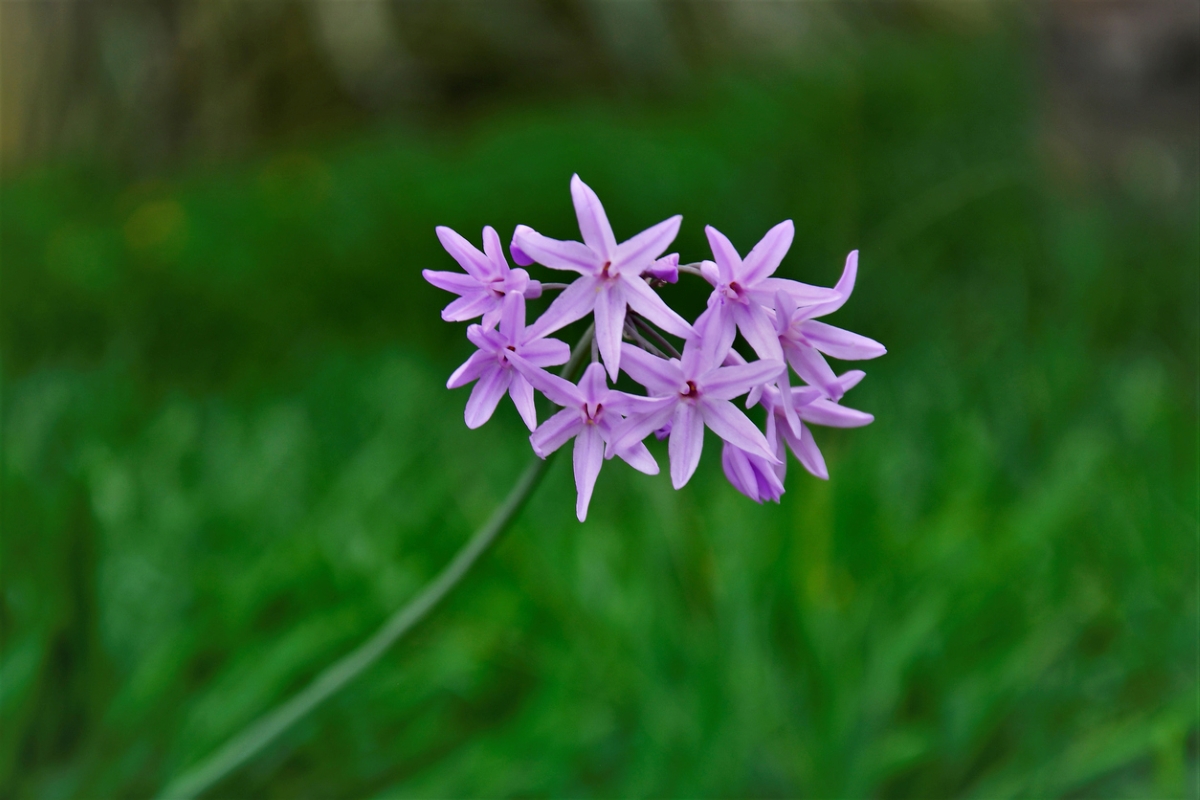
x,y
691,393
804,339
493,364
487,281
591,413
610,275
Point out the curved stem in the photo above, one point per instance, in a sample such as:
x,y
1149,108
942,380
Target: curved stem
x,y
264,730
692,269
555,286
654,335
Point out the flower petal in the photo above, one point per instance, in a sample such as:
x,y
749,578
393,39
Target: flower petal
x,y
592,386
728,422
764,259
715,331
756,326
610,325
522,396
840,343
729,263
556,431
807,452
812,367
593,222
687,441
494,250
726,383
575,302
829,413
645,301
519,256
452,281
842,290
470,306
589,457
492,385
802,293
638,456
556,254
512,317
471,369
466,254
660,376
561,391
851,378
545,352
654,412
635,254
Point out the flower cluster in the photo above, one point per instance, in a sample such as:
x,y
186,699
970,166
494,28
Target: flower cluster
x,y
686,391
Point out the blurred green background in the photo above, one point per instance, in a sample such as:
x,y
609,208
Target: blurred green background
x,y
228,454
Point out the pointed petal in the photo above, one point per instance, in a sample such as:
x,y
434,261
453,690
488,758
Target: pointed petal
x,y
802,293
575,302
687,441
851,378
466,254
715,331
807,452
729,263
764,259
471,369
519,256
491,317
545,352
842,290
787,401
452,281
659,375
610,325
492,385
638,456
494,250
560,391
829,413
840,343
634,255
512,317
645,301
726,383
556,431
728,422
653,414
738,471
664,269
522,396
470,306
593,387
556,254
485,338
589,457
812,367
756,326
593,222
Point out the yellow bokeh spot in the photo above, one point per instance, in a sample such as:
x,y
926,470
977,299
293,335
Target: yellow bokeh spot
x,y
156,224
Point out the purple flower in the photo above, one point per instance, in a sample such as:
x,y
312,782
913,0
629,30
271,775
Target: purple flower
x,y
487,281
812,407
610,275
665,269
493,364
744,291
753,475
804,340
591,412
690,393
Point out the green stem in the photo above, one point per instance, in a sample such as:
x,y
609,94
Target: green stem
x,y
264,730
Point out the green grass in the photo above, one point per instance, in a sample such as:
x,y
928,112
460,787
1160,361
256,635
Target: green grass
x,y
229,455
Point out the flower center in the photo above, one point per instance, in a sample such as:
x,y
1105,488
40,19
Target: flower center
x,y
604,270
734,291
690,391
592,415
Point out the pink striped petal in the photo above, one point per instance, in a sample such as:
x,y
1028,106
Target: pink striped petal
x,y
512,317
545,352
726,383
807,452
560,391
556,431
593,387
729,263
764,259
635,254
455,282
843,289
610,325
494,250
522,396
687,441
801,293
851,378
659,375
556,254
812,367
728,422
471,369
574,302
840,343
756,326
638,456
593,222
589,457
466,254
652,414
492,385
470,306
715,331
829,413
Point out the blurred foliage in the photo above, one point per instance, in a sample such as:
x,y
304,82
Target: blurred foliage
x,y
228,456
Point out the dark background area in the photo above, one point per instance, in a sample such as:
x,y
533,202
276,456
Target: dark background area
x,y
228,454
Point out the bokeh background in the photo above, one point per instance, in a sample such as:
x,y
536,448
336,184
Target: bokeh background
x,y
228,454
